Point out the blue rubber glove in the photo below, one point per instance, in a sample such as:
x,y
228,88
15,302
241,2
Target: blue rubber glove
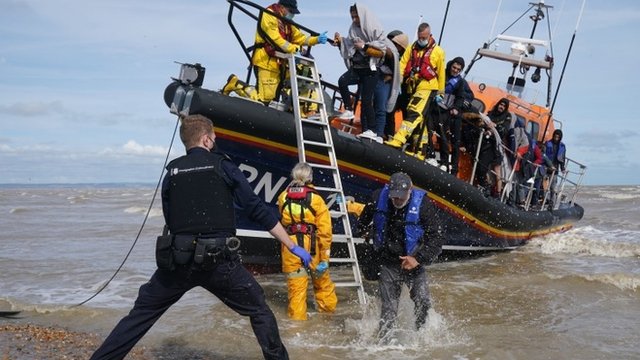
x,y
302,254
322,267
322,38
438,99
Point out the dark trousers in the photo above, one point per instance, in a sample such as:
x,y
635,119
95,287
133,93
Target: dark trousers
x,y
392,277
229,281
366,81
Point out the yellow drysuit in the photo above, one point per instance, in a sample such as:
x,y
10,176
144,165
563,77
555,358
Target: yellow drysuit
x,y
317,215
287,39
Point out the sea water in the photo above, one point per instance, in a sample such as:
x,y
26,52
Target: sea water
x,y
571,295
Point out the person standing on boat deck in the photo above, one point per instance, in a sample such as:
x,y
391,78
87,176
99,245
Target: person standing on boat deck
x,y
423,71
448,115
407,236
306,218
555,158
198,196
363,51
390,85
275,35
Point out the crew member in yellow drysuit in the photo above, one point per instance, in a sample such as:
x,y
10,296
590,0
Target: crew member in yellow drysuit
x,y
274,35
423,69
306,218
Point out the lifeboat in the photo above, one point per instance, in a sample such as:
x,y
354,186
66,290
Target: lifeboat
x,y
261,140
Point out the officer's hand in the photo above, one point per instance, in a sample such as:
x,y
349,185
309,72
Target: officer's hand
x,y
302,254
439,99
322,38
322,267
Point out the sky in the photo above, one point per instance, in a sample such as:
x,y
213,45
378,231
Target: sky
x,y
81,82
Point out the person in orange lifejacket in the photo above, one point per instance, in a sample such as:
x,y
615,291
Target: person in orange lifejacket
x,y
274,35
308,222
424,77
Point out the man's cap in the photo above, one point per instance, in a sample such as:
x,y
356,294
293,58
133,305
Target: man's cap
x,y
399,185
402,40
292,5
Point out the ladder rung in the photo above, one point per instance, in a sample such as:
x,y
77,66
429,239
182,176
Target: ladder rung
x,y
319,122
336,214
342,260
308,79
322,188
347,284
322,166
306,99
317,143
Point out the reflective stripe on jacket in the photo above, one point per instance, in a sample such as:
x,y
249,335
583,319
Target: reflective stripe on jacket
x,y
270,25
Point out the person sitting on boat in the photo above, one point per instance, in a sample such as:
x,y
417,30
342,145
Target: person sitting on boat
x,y
519,145
308,222
481,140
200,249
501,116
424,76
555,158
400,41
362,50
274,35
447,116
407,236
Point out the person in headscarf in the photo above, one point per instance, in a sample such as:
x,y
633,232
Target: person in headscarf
x,y
363,51
391,83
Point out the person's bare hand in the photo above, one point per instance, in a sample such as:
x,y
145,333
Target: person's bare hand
x,y
409,262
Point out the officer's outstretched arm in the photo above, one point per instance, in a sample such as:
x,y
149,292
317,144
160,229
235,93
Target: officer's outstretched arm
x,y
281,235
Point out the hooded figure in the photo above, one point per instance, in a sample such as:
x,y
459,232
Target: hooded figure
x,y
370,31
501,116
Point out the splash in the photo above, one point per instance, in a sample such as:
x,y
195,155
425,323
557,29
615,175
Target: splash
x,y
591,241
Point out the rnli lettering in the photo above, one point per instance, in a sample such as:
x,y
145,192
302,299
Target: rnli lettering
x,y
264,182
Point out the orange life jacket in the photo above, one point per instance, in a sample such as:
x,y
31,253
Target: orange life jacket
x,y
421,65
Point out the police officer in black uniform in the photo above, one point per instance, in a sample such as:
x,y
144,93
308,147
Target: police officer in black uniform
x,y
198,194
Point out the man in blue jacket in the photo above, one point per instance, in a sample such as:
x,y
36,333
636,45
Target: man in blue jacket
x,y
407,236
555,158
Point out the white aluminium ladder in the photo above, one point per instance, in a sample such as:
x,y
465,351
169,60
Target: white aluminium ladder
x,y
322,147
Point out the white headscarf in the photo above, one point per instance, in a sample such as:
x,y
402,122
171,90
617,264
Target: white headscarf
x,y
370,31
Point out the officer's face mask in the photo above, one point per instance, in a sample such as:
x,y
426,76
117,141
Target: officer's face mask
x,y
290,16
212,141
422,43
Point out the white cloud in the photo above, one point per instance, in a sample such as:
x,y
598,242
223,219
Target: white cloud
x,y
136,149
35,108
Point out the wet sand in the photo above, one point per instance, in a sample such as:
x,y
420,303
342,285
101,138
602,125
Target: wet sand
x,y
29,341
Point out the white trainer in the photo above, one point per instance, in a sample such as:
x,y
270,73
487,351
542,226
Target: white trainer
x,y
378,139
433,162
346,115
367,134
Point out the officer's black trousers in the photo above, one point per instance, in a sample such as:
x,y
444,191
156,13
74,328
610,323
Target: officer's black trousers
x,y
229,281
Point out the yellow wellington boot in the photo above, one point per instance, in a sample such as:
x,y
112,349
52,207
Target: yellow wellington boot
x,y
398,139
246,91
417,154
231,84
